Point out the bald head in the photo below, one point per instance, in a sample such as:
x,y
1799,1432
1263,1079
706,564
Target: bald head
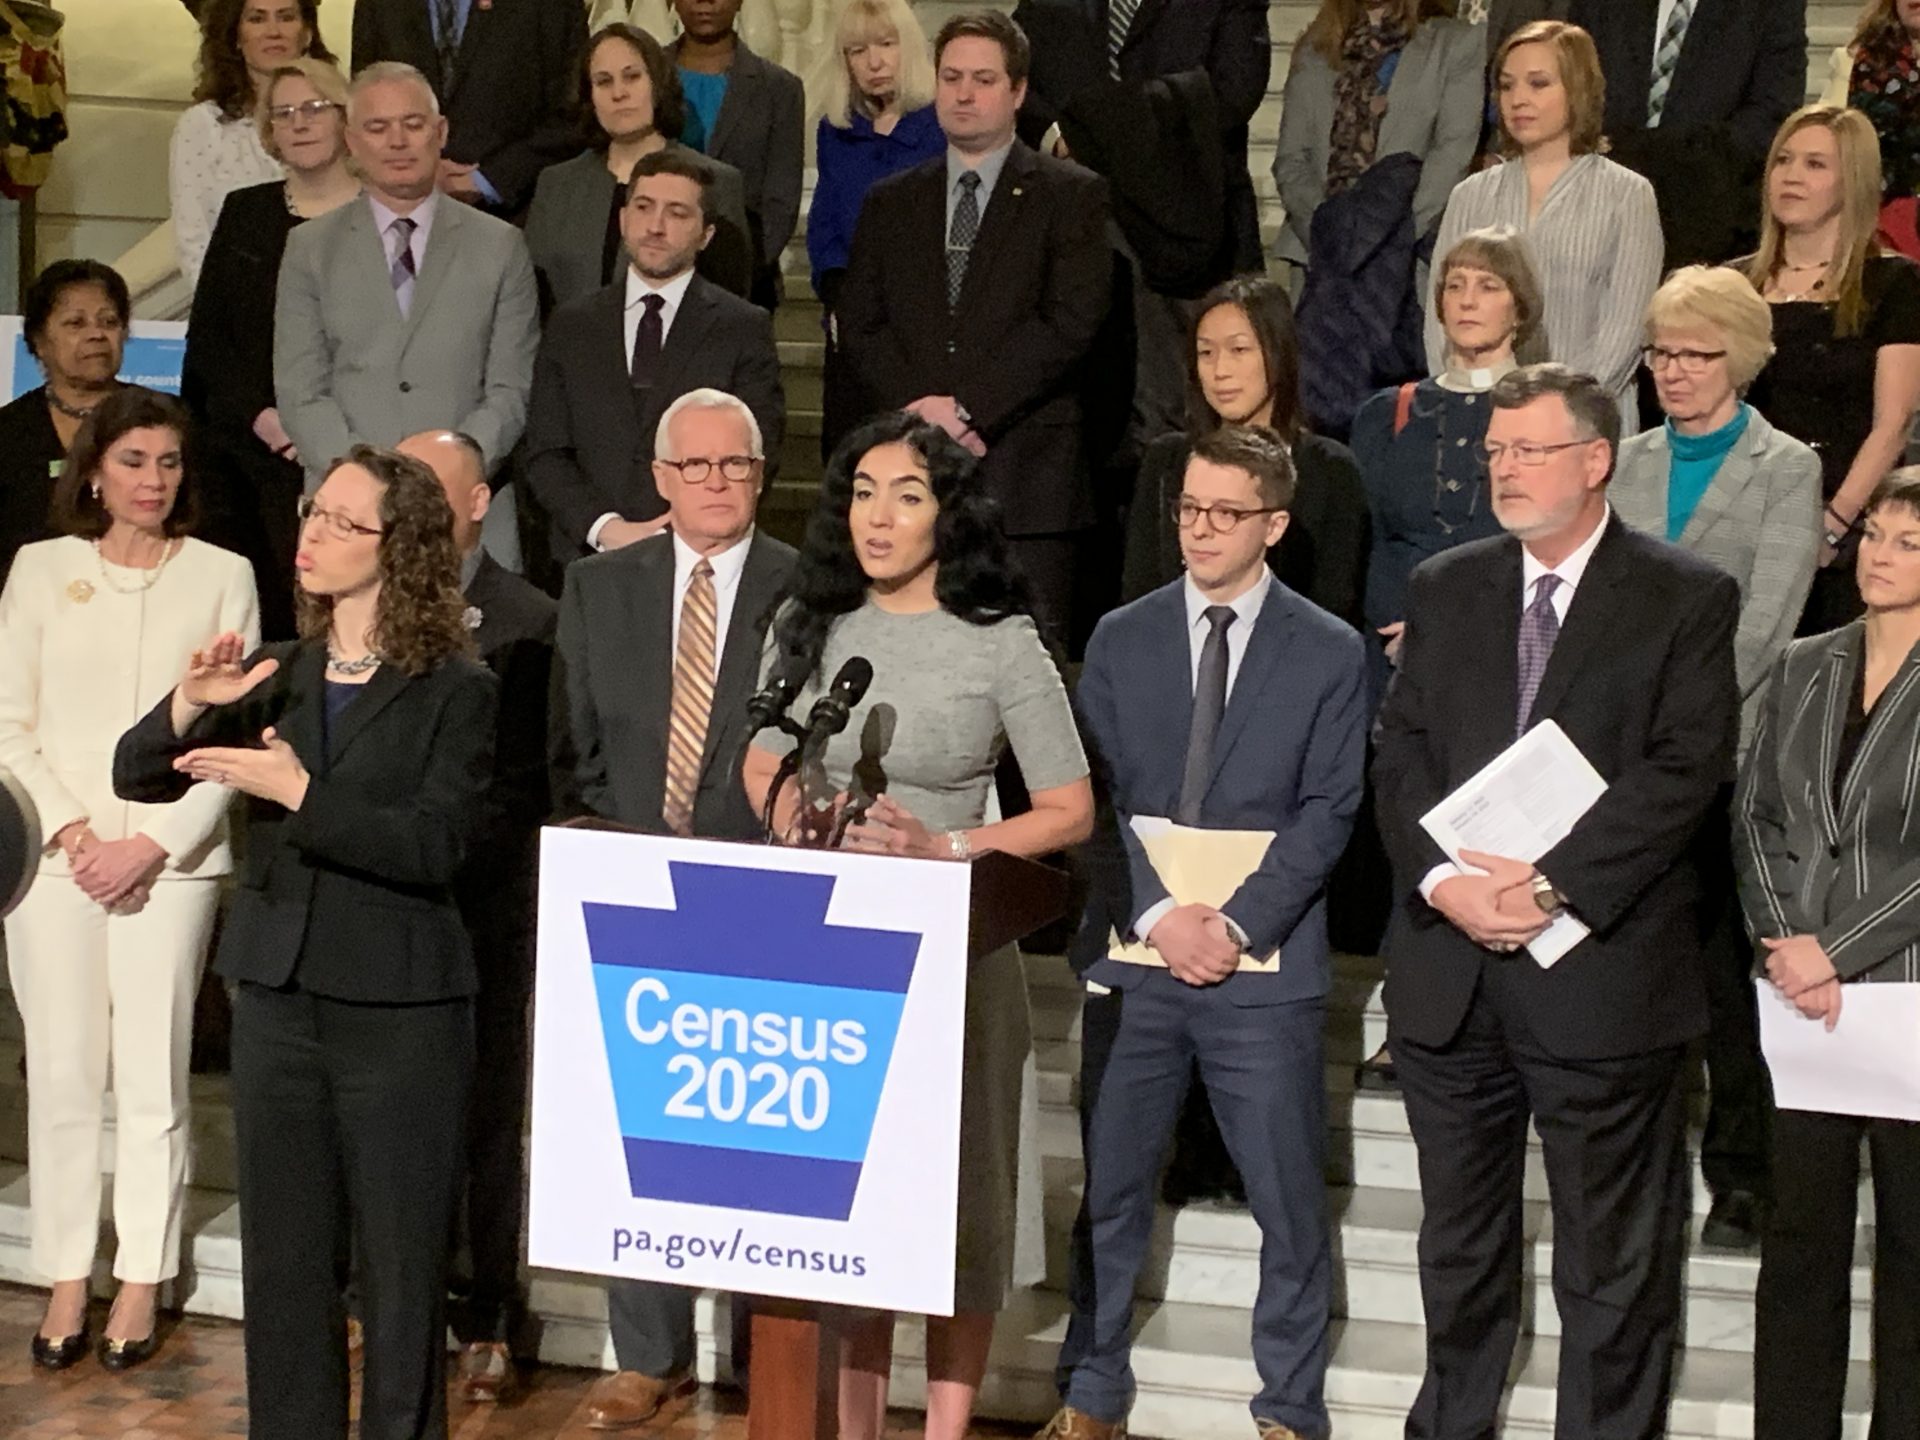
x,y
462,471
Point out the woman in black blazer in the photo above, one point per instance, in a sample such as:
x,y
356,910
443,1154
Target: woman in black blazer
x,y
1243,368
364,749
252,472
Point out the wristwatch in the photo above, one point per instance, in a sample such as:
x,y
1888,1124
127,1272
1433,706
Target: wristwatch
x,y
1550,900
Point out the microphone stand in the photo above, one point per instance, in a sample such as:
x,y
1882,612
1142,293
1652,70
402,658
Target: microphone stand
x,y
789,766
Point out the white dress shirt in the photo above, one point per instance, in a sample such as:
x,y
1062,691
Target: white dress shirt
x,y
1246,611
672,293
728,565
422,217
1569,572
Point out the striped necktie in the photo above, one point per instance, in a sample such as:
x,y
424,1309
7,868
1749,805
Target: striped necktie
x,y
447,40
402,270
693,668
1666,59
1120,15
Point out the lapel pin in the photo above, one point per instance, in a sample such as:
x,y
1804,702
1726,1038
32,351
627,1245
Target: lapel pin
x,y
471,617
1016,190
80,592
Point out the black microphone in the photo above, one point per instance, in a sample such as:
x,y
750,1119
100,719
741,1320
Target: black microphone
x,y
774,701
832,710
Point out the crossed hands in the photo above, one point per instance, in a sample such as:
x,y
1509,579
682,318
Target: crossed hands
x,y
1801,971
889,828
944,411
1495,910
1195,943
117,875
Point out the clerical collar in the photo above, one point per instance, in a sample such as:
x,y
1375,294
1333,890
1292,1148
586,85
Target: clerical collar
x,y
1476,381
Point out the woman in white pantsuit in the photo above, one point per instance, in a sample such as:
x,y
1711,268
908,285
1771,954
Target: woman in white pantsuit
x,y
105,953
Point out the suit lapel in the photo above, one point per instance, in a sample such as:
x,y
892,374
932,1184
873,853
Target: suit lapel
x,y
689,332
1727,488
741,98
740,656
650,622
998,226
1143,20
442,243
1846,655
1500,624
1638,20
374,696
1895,704
368,249
1272,628
1591,618
479,20
299,723
1174,700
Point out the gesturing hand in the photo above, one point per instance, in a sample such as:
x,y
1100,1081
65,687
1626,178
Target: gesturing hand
x,y
1797,964
214,676
1488,908
272,772
1193,940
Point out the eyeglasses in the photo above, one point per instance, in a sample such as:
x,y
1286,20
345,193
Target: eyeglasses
x,y
1223,518
338,525
1533,456
305,110
696,470
1691,362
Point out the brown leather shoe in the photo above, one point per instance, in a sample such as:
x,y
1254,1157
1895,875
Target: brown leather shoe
x,y
1071,1424
626,1398
1274,1430
487,1374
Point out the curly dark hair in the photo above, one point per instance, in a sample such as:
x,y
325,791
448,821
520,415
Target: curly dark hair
x,y
975,580
421,617
75,509
220,74
1268,310
669,103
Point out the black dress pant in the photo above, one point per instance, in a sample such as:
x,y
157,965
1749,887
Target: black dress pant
x,y
1614,1140
348,1120
1734,1150
1804,1304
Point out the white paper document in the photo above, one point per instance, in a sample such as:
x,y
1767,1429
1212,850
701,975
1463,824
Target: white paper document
x,y
1869,1064
1520,805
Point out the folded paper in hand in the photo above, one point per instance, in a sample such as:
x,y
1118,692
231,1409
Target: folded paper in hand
x,y
1198,867
1520,805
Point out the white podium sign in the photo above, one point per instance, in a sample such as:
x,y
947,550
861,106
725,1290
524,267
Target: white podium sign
x,y
746,1068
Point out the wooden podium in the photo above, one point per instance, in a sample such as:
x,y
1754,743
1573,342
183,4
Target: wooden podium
x,y
793,1377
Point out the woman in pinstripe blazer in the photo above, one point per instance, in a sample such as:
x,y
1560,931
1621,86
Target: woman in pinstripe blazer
x,y
1827,833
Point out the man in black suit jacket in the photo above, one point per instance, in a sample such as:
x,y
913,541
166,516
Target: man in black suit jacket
x,y
505,81
1019,240
621,645
612,362
513,625
1227,40
1742,69
1627,644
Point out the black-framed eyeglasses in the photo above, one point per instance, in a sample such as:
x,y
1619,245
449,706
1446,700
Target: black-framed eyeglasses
x,y
1223,518
305,110
1526,452
697,469
338,525
1691,362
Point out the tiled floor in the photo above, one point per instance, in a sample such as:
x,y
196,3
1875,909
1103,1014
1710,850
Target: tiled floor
x,y
194,1388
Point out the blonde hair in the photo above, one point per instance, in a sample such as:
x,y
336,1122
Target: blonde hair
x,y
323,75
1859,147
861,22
1579,66
1712,297
1500,252
1328,29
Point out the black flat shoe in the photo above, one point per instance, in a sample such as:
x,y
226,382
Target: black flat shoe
x,y
126,1354
1377,1075
61,1354
1733,1224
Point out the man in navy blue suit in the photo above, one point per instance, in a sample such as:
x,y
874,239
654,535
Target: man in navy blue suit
x,y
1221,701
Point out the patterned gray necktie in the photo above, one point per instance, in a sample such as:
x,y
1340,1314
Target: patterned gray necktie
x,y
1209,704
1474,12
1539,628
960,237
402,271
1120,15
1666,59
447,42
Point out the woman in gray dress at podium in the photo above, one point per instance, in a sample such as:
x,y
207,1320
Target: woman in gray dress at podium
x,y
904,564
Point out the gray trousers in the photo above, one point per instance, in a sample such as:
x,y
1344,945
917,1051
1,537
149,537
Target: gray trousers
x,y
652,1327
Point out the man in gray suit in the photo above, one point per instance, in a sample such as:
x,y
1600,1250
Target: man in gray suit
x,y
403,311
636,681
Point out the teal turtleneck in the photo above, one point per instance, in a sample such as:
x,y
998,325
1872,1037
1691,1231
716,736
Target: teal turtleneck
x,y
1696,460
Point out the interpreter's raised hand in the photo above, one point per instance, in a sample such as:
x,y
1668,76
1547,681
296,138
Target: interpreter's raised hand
x,y
272,772
110,871
1495,909
889,828
618,534
1392,635
216,674
1797,964
1193,940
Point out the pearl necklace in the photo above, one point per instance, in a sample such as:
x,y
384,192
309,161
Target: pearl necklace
x,y
152,576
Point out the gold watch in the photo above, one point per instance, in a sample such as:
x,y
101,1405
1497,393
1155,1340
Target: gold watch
x,y
1550,900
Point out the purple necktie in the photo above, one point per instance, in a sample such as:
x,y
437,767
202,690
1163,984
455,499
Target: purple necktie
x,y
1539,628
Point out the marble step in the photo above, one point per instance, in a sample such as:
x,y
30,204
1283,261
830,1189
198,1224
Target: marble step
x,y
1193,1362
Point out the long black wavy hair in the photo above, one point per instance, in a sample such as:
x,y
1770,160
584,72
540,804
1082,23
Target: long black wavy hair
x,y
975,580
